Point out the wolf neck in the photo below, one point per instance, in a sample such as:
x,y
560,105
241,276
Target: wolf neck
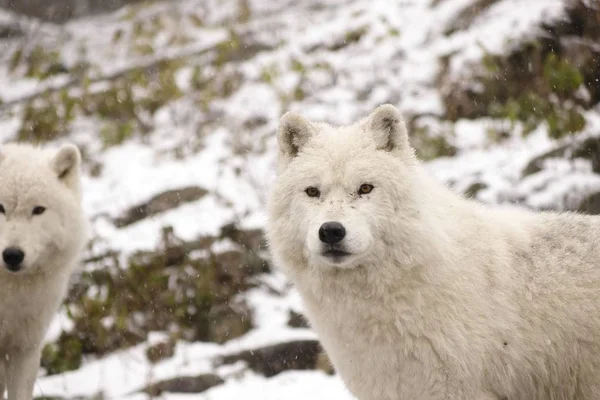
x,y
438,223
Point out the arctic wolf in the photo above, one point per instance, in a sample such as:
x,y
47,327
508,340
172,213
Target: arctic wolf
x,y
417,293
42,231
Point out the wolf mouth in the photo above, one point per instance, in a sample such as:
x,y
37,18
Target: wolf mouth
x,y
14,268
335,253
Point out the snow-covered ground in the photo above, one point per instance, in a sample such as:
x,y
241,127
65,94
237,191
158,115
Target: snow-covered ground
x,y
309,46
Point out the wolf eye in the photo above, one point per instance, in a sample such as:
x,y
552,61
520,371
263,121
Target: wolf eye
x,y
365,188
2,211
312,192
38,210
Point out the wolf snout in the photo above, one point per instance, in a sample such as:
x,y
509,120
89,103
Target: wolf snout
x,y
332,232
13,257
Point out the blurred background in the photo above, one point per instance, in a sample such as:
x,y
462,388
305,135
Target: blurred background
x,y
175,105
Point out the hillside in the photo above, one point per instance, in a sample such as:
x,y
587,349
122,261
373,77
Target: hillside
x,y
175,106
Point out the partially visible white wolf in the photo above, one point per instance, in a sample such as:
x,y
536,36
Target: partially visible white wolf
x,y
417,293
42,232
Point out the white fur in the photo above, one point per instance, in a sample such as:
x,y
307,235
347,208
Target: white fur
x,y
52,242
442,297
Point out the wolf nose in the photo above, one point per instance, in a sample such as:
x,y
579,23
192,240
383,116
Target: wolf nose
x,y
13,257
331,232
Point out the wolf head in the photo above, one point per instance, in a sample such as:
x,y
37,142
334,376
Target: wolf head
x,y
340,189
41,222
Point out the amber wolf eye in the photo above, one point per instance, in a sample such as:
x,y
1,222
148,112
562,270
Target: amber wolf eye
x,y
365,188
312,192
38,210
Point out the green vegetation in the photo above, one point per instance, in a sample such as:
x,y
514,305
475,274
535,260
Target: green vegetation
x,y
191,298
552,101
47,117
39,62
121,106
244,11
428,146
550,80
351,36
533,85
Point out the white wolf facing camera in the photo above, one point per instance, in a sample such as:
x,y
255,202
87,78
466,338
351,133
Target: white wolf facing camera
x,y
419,294
42,232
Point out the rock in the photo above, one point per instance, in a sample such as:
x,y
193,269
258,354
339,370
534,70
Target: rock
x,y
10,30
252,239
255,122
324,364
272,360
588,149
235,267
160,351
60,11
160,203
536,164
591,204
466,17
185,384
227,323
473,189
297,320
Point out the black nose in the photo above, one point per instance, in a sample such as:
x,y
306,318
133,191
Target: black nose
x,y
332,232
13,257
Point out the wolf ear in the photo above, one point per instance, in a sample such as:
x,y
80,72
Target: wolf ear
x,y
388,129
294,132
66,164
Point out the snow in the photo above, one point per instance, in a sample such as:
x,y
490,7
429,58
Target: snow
x,y
401,69
128,371
292,385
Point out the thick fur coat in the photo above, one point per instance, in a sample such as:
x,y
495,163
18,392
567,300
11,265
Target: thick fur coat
x,y
42,232
425,295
